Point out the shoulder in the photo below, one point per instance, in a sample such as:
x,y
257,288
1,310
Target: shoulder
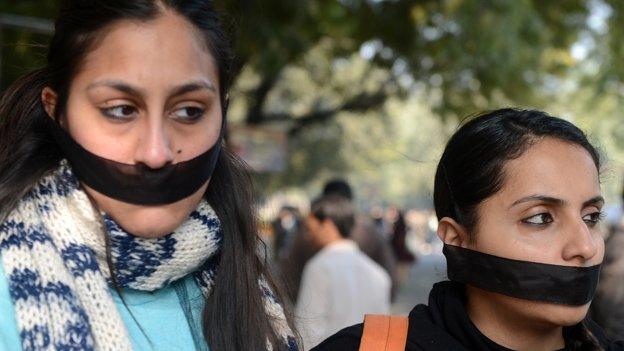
x,y
346,339
349,339
317,263
375,268
422,334
325,261
315,273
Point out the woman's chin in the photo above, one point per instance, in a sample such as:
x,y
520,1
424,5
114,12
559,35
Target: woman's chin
x,y
540,314
568,315
150,223
147,221
555,314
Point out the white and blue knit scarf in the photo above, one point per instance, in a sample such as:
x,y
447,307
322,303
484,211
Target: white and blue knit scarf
x,y
53,252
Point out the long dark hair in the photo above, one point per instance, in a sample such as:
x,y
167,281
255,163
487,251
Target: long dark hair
x,y
472,169
234,317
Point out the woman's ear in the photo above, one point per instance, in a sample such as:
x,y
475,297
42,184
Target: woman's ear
x,y
452,233
49,99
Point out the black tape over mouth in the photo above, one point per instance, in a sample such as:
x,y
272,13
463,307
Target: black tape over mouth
x,y
138,184
565,285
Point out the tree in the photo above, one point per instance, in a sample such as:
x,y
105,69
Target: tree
x,y
468,51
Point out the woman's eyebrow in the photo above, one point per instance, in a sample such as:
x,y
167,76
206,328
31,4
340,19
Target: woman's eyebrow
x,y
192,86
138,92
598,200
542,198
118,85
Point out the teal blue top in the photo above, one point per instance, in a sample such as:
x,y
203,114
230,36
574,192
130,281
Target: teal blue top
x,y
161,314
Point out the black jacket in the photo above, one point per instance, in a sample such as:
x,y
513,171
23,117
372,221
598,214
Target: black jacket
x,y
444,325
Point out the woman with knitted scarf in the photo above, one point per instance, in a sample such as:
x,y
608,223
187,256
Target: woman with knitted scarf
x,y
124,223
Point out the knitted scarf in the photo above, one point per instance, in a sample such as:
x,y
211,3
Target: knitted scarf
x,y
53,251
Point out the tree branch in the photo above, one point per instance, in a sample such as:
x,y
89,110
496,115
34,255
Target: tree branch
x,y
359,103
255,115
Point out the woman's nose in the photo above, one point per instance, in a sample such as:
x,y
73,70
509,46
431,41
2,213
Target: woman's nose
x,y
154,147
581,244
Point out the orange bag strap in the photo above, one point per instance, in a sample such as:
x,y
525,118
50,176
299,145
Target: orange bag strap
x,y
384,333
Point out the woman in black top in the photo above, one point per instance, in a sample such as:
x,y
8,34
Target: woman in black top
x,y
517,195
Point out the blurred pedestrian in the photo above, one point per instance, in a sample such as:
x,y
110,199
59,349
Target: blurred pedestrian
x,y
340,283
398,238
517,196
370,240
285,228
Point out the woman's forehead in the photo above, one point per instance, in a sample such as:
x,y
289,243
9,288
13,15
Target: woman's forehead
x,y
157,52
554,168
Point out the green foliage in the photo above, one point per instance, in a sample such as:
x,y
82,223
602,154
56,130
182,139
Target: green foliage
x,y
471,51
23,51
32,8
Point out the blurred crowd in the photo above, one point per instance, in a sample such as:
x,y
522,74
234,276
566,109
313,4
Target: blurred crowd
x,y
318,249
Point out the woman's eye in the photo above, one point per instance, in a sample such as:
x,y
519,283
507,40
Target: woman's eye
x,y
539,219
122,112
593,218
189,114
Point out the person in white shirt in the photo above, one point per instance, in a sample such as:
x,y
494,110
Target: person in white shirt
x,y
340,283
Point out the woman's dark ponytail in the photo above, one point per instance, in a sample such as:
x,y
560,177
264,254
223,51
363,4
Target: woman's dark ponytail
x,y
580,338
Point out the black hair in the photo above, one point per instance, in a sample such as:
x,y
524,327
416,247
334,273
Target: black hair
x,y
337,209
472,168
338,187
234,317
